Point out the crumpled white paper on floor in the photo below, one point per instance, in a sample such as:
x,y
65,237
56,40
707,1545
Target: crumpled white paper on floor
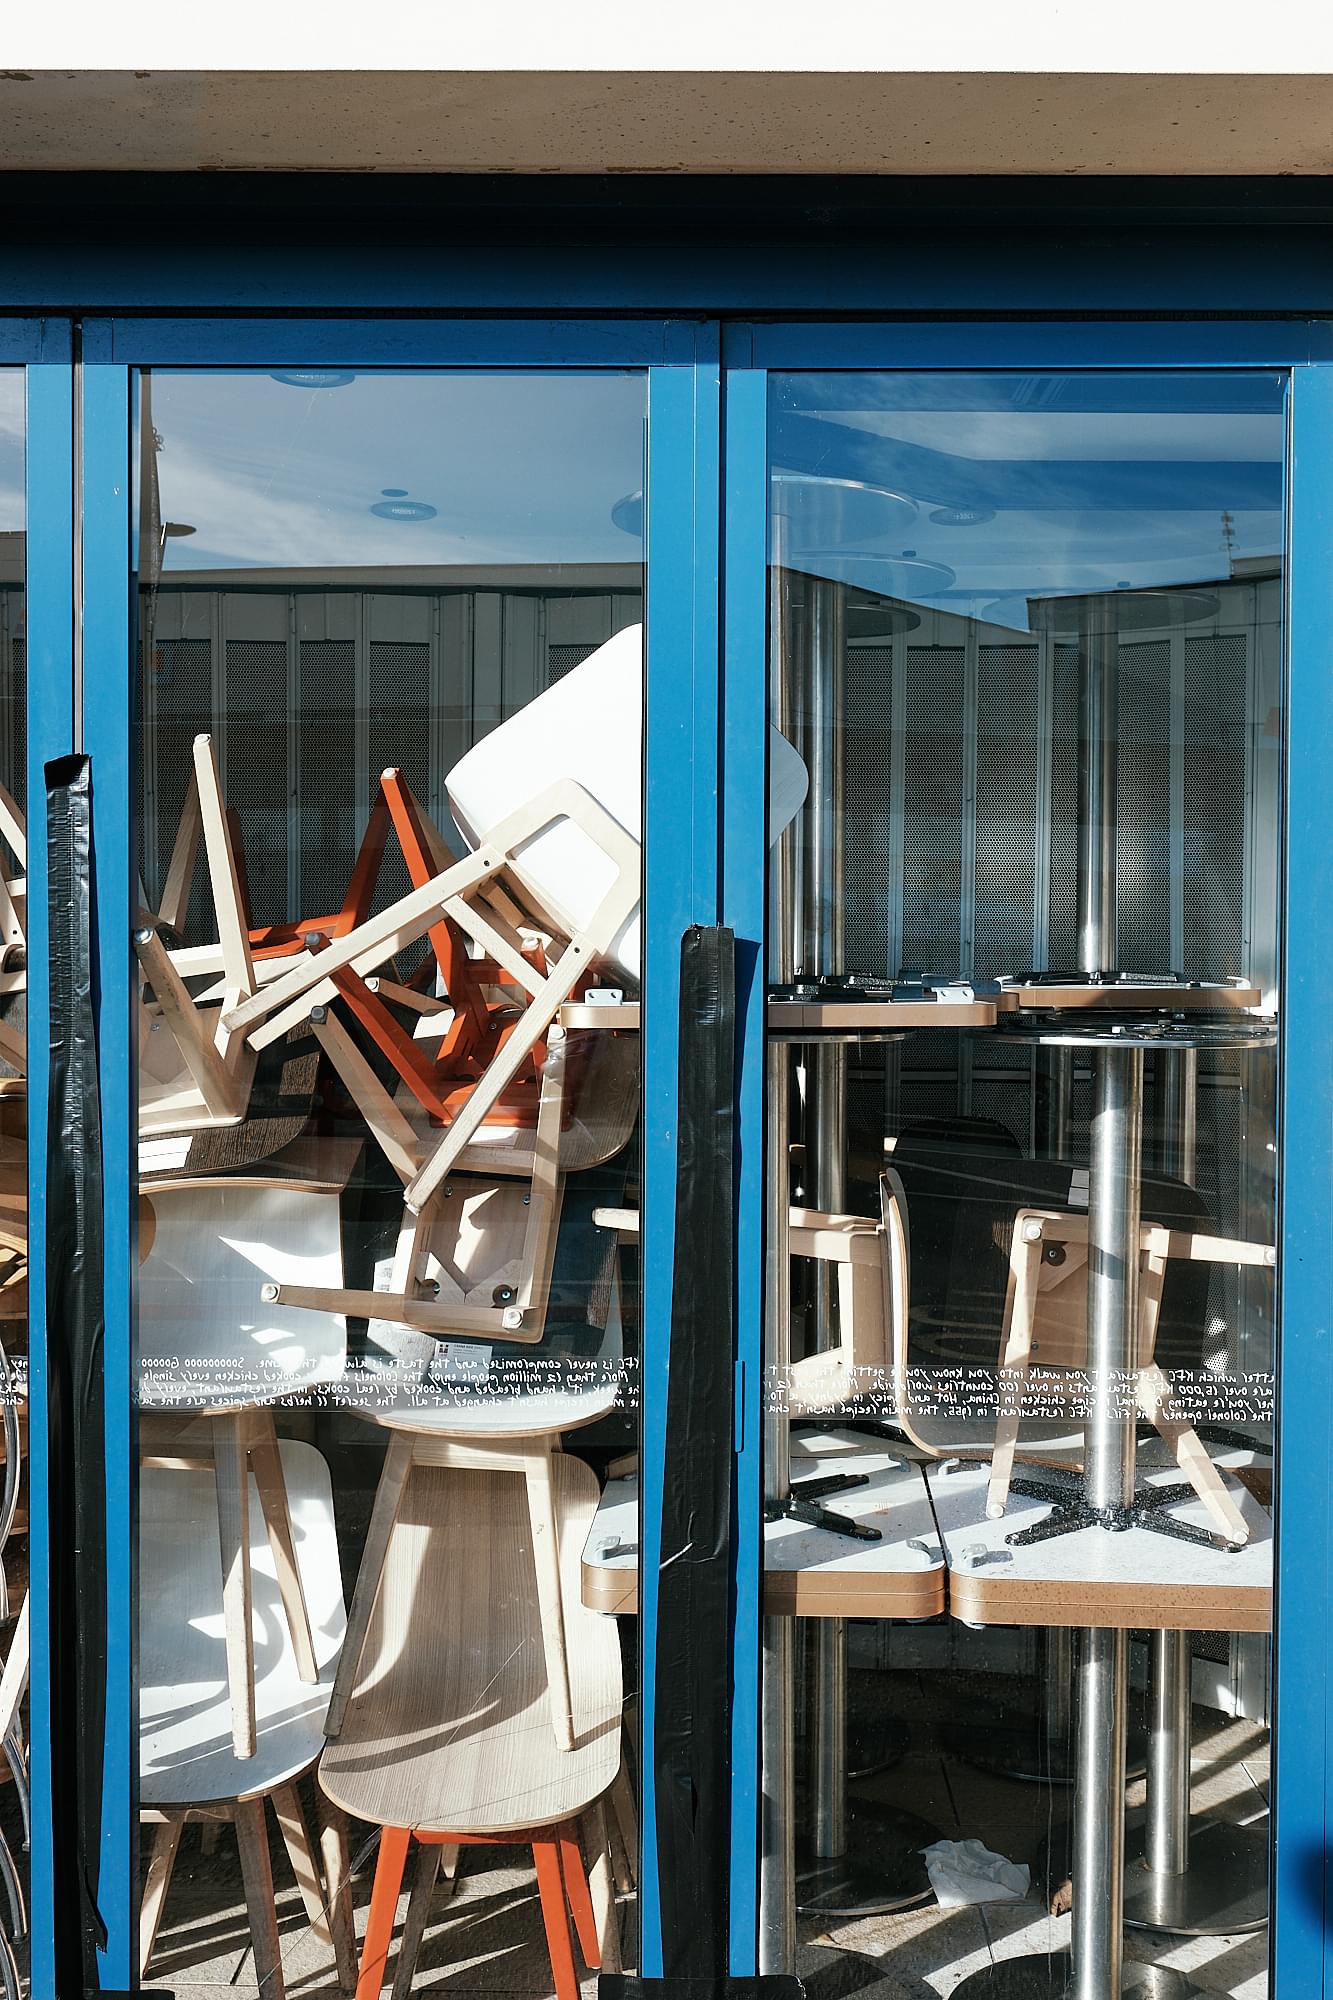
x,y
965,1871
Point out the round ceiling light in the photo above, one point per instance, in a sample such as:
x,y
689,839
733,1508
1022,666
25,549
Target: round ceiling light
x,y
404,510
314,378
962,517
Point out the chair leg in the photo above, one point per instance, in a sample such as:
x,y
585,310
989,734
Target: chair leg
x,y
580,1902
537,1472
166,1841
626,1822
394,1841
296,1839
388,1499
550,1882
257,1875
601,1883
232,1474
1024,1266
338,1883
266,1462
418,1911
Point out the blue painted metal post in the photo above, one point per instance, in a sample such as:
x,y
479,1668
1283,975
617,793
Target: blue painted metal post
x,y
1302,1738
49,580
680,888
744,894
108,724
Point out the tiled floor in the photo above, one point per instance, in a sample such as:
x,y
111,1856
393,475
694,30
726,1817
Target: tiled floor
x,y
487,1938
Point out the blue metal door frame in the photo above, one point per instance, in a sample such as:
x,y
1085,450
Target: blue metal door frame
x,y
705,861
1301,1890
681,360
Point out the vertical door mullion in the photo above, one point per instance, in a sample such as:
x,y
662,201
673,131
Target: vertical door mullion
x,y
1302,1773
49,594
680,888
744,900
108,712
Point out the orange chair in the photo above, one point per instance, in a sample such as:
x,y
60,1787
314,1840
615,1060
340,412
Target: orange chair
x,y
561,1880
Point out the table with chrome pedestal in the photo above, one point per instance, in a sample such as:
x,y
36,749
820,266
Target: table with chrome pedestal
x,y
861,1856
1111,1520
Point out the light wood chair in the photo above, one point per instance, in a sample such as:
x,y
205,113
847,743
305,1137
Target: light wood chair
x,y
871,1356
448,1734
468,1429
1045,1325
187,1764
194,1072
13,931
217,1356
439,1283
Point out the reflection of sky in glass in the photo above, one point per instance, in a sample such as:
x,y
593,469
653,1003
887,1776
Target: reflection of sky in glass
x,y
1074,483
518,468
11,451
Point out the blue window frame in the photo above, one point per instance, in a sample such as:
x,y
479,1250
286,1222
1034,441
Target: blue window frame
x,y
705,862
1302,1928
680,858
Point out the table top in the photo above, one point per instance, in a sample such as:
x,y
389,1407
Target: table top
x,y
449,1724
1123,996
185,1746
803,1020
808,1572
1092,1577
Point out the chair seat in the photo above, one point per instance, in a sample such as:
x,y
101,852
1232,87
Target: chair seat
x,y
203,1320
185,1742
449,1723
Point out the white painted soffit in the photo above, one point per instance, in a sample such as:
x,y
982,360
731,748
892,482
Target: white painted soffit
x,y
994,37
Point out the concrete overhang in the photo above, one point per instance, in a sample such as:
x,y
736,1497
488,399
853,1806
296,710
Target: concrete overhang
x,y
849,121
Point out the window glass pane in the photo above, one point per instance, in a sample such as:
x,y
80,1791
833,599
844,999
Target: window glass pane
x,y
388,1339
13,1154
1027,640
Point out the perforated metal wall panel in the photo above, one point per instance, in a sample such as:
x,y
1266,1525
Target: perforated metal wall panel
x,y
1143,836
178,703
254,733
1062,947
399,720
932,808
13,719
1006,819
868,756
1214,804
561,660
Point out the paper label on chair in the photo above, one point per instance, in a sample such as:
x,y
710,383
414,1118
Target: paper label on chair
x,y
1078,1188
460,1361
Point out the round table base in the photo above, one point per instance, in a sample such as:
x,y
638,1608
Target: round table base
x,y
1002,1736
874,1744
1223,1891
881,1871
1049,1979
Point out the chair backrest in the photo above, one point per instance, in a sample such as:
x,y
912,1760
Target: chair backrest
x,y
963,1206
588,727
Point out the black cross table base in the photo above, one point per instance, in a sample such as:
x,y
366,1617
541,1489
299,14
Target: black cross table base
x,y
1072,1512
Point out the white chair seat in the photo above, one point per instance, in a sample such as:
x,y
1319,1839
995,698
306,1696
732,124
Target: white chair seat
x,y
185,1743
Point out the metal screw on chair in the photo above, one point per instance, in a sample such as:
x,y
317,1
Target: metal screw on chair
x,y
503,1295
269,1294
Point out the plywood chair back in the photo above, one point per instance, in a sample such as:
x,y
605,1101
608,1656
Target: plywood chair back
x,y
1046,1326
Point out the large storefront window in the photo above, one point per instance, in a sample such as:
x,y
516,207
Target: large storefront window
x,y
1026,636
391,660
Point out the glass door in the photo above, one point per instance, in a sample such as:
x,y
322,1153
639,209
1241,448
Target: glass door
x,y
1018,621
368,627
